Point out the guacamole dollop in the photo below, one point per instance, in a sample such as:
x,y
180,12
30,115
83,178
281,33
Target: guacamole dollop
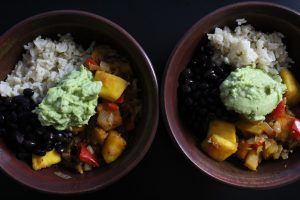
x,y
72,102
252,92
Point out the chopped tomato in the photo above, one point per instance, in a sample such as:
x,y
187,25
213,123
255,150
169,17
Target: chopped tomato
x,y
120,100
87,157
111,106
279,111
90,61
296,129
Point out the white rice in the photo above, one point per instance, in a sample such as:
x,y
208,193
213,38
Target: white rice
x,y
246,46
43,64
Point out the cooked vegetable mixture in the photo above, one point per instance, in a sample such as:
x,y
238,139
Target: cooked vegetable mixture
x,y
82,122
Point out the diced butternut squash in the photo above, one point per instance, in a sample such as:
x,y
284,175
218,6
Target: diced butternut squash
x,y
243,148
250,128
270,148
293,88
51,158
252,160
218,147
112,86
223,129
108,119
113,146
99,135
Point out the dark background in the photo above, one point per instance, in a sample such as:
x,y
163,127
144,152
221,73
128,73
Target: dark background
x,y
157,26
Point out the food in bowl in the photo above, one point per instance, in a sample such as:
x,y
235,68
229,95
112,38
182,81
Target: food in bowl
x,y
240,90
65,105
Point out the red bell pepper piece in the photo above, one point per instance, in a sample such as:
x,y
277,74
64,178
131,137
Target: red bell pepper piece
x,y
296,129
120,100
279,111
111,106
90,61
87,157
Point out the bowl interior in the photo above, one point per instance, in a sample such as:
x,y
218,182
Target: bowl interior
x,y
85,28
264,17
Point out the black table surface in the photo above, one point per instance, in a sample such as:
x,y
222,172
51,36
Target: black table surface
x,y
157,26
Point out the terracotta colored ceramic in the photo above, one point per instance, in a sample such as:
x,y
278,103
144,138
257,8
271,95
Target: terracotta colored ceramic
x,y
266,17
85,28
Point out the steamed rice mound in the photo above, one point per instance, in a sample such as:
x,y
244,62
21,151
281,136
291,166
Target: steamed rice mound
x,y
43,64
246,46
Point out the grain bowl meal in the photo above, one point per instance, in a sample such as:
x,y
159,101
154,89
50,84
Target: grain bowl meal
x,y
69,106
238,93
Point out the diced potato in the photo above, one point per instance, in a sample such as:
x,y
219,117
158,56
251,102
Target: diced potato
x,y
293,88
243,148
223,129
252,160
250,128
113,146
99,135
218,147
270,148
51,158
108,119
112,86
285,124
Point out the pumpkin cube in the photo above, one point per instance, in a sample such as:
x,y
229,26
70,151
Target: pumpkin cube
x,y
223,129
112,86
51,158
218,147
113,146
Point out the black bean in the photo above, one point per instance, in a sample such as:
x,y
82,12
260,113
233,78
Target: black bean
x,y
40,131
58,143
12,117
68,134
49,136
29,144
11,126
21,100
28,92
219,70
188,101
39,152
23,155
185,89
1,119
19,137
197,94
60,149
187,73
203,86
59,136
3,132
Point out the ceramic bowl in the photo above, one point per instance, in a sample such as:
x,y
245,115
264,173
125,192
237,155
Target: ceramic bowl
x,y
85,28
266,17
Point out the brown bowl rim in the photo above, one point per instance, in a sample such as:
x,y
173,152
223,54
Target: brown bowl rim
x,y
154,85
165,114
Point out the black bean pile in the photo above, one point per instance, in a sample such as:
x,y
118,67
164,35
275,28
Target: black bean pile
x,y
198,91
22,130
